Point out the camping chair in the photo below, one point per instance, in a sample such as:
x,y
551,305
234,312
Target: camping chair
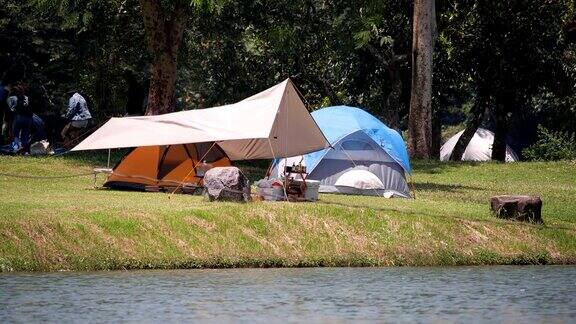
x,y
97,171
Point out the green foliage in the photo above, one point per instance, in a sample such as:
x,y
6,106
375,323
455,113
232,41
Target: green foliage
x,y
552,146
513,48
249,45
56,46
511,55
338,52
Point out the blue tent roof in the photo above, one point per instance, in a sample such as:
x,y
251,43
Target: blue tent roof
x,y
341,121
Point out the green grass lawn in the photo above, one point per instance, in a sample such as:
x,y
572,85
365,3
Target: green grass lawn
x,y
66,224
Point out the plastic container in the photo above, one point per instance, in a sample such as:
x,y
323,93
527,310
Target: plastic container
x,y
271,194
270,190
312,187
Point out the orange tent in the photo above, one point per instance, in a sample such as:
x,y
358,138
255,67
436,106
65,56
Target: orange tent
x,y
154,168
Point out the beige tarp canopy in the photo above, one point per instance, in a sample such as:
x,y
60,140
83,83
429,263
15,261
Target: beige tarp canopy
x,y
272,123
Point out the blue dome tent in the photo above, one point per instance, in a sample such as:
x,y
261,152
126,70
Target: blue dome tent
x,y
366,157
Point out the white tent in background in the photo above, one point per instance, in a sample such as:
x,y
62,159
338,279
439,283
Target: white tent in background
x,y
273,123
479,148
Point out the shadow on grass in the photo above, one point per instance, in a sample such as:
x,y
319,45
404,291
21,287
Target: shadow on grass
x,y
95,158
430,186
436,167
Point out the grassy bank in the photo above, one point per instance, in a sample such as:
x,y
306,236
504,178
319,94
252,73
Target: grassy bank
x,y
64,224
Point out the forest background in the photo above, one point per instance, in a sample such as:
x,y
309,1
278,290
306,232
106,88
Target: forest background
x,y
509,66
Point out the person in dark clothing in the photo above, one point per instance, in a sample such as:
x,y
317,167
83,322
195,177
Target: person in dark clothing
x,y
38,132
18,103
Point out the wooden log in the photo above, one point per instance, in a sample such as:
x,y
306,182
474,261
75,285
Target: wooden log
x,y
520,208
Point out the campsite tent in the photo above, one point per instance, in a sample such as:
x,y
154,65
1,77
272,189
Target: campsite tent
x,y
165,167
479,148
273,123
366,157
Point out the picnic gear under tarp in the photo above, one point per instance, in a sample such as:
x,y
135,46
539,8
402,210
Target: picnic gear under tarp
x,y
273,123
359,142
479,148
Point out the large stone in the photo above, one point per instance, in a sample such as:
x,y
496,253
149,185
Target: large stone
x,y
520,208
226,184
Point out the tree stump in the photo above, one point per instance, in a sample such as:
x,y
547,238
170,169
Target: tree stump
x,y
520,208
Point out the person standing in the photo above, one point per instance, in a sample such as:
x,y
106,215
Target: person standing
x,y
38,130
77,114
18,103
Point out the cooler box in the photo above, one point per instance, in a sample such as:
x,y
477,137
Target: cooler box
x,y
312,187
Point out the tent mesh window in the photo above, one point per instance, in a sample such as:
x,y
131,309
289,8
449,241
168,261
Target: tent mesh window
x,y
356,145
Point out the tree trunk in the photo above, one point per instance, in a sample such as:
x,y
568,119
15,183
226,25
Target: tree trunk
x,y
500,134
164,31
161,98
474,121
420,118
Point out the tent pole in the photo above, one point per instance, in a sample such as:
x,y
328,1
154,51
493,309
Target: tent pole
x,y
109,158
193,170
285,182
412,186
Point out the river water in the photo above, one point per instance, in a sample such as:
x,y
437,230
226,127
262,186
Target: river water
x,y
461,294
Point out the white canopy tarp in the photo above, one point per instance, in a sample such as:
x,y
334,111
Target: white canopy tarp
x,y
479,148
273,123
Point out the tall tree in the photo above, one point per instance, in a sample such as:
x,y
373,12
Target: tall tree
x,y
383,38
510,53
470,36
526,50
165,26
420,117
